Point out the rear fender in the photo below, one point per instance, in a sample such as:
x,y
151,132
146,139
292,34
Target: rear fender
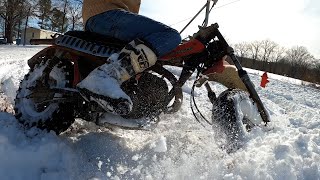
x,y
78,59
38,58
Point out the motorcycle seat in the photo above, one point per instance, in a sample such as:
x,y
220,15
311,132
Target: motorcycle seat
x,y
97,38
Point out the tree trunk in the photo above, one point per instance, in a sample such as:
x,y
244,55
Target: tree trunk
x,y
9,32
25,31
64,16
19,31
26,26
73,23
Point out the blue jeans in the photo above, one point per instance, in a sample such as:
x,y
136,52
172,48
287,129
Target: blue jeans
x,y
128,26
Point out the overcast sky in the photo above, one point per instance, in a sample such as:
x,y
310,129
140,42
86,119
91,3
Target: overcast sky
x,y
287,22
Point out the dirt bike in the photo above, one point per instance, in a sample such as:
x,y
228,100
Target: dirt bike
x,y
47,97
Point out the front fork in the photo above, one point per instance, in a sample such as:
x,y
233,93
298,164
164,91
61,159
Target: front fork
x,y
208,33
245,79
249,85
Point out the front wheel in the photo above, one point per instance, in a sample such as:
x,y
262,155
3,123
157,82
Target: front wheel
x,y
37,105
233,115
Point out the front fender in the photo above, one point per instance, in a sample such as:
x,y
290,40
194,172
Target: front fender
x,y
225,74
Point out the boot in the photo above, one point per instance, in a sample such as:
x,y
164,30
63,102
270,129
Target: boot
x,y
102,85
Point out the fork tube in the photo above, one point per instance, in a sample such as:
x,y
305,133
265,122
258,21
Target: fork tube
x,y
253,93
244,77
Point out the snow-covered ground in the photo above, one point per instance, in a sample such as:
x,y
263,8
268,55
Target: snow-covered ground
x,y
179,148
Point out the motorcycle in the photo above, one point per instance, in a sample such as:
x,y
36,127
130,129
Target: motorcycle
x,y
47,97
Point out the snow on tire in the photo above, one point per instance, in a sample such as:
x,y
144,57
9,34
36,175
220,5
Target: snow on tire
x,y
233,115
34,105
5,105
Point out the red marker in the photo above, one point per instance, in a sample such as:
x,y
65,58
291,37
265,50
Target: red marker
x,y
264,80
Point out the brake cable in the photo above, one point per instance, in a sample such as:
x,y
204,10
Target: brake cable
x,y
194,105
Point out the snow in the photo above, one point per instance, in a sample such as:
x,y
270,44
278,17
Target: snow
x,y
178,148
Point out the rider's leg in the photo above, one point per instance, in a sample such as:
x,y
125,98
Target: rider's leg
x,y
128,26
103,84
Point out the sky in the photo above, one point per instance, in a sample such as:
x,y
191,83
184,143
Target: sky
x,y
286,22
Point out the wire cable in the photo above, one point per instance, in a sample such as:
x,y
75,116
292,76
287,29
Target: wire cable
x,y
194,105
204,12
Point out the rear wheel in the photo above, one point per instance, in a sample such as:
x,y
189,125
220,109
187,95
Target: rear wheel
x,y
36,104
233,115
148,96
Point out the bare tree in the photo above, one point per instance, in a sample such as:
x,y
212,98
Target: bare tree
x,y
10,12
242,49
71,14
254,49
13,12
278,54
59,15
317,69
43,13
75,15
268,47
1,27
56,20
30,10
64,18
2,21
298,55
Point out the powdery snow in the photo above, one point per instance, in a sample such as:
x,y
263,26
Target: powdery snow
x,y
179,148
